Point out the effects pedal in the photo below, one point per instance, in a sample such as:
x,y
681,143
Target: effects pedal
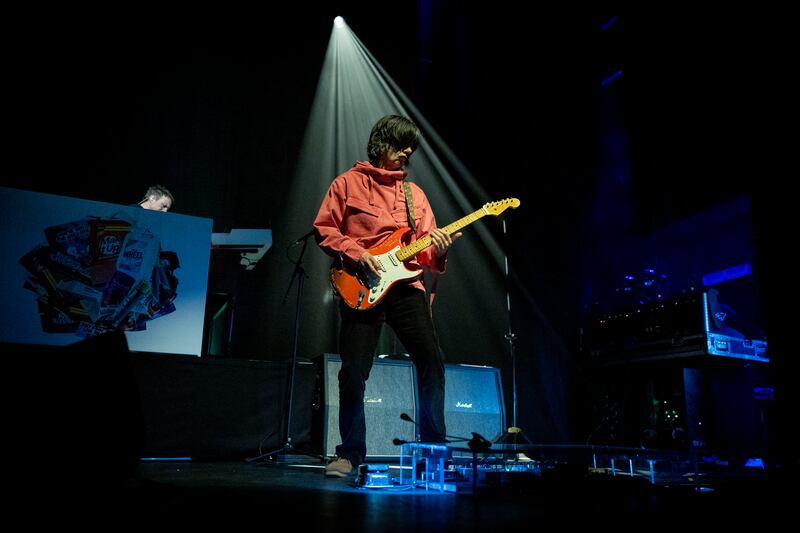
x,y
373,476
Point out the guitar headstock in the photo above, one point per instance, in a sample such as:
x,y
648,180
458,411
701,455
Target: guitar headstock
x,y
495,208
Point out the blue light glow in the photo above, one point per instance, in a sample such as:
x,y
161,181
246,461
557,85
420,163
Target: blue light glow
x,y
734,272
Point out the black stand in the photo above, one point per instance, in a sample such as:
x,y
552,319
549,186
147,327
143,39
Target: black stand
x,y
224,278
232,253
514,434
299,274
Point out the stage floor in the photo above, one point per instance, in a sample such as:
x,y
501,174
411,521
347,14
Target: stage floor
x,y
291,493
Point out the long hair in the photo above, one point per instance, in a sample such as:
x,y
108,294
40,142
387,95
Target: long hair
x,y
392,132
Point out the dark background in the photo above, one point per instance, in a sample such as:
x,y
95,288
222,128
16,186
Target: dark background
x,y
216,112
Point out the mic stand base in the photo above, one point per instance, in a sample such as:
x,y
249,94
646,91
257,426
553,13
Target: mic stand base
x,y
287,449
300,274
514,437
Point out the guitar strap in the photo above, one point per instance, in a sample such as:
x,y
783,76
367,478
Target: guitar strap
x,y
410,206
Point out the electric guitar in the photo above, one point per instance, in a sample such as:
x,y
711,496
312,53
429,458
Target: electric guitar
x,y
361,290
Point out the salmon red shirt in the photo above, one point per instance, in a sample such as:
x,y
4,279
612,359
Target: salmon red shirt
x,y
364,206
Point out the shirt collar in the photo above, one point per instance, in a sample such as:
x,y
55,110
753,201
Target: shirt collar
x,y
380,175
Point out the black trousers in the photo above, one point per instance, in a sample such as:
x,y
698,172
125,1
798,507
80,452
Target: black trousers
x,y
406,310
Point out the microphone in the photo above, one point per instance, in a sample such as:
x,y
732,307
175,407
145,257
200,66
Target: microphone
x,y
304,237
398,442
478,443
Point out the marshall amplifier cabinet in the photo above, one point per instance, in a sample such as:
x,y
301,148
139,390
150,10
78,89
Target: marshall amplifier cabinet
x,y
473,401
390,391
693,325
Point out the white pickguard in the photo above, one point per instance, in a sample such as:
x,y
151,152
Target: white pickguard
x,y
394,270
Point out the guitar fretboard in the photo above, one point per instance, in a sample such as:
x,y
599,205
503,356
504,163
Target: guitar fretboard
x,y
407,252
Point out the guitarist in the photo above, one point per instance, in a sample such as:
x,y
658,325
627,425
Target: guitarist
x,y
361,208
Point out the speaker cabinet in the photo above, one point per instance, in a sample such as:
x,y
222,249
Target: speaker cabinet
x,y
474,401
390,390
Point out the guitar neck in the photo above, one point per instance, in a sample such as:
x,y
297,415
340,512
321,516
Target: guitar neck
x,y
407,252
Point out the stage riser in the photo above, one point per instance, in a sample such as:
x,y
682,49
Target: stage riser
x,y
203,407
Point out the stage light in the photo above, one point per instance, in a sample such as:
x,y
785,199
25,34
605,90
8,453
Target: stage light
x,y
353,92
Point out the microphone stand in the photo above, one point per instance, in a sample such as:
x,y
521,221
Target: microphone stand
x,y
513,434
300,274
404,416
477,444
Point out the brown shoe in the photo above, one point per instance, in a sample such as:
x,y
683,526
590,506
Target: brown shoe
x,y
339,467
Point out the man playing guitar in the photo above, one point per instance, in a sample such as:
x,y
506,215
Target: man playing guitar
x,y
362,208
